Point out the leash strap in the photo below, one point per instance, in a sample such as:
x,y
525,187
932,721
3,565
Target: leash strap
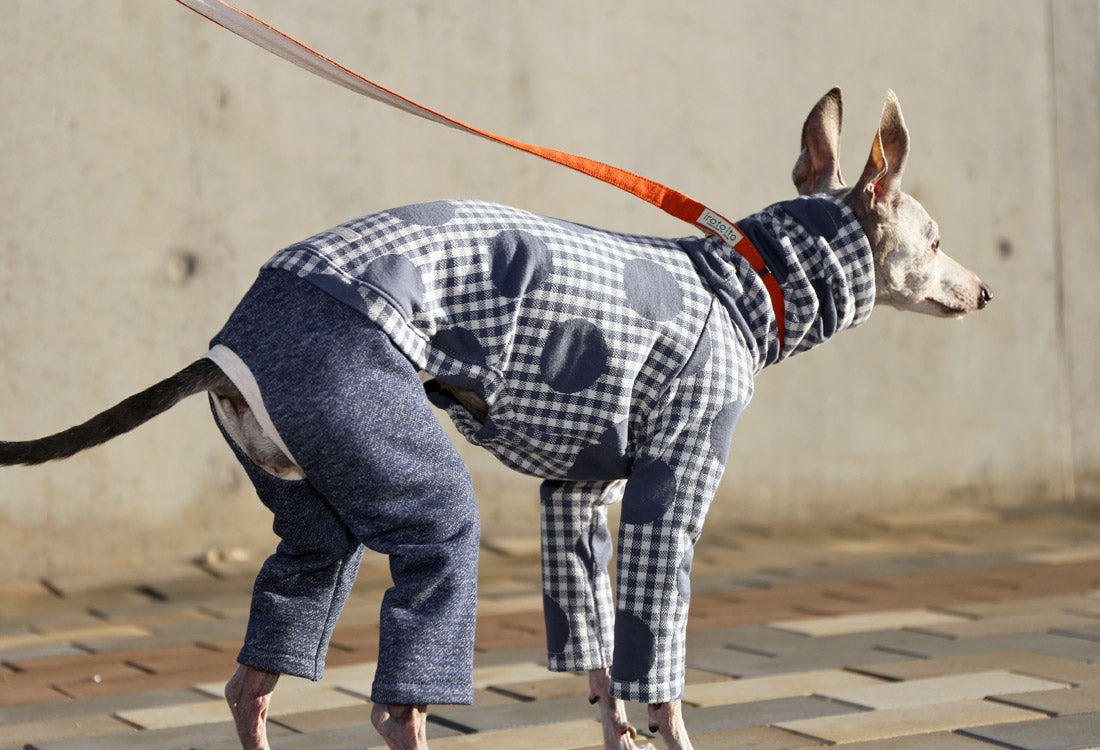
x,y
667,199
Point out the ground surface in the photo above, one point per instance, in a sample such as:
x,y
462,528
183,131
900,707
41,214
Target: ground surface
x,y
961,629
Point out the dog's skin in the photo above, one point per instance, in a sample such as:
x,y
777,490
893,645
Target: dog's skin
x,y
911,273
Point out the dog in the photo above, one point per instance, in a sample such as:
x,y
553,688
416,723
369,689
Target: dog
x,y
612,366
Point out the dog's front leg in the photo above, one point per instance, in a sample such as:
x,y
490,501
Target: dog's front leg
x,y
248,694
618,732
667,719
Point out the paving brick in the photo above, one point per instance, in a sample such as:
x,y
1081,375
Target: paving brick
x,y
87,634
750,638
745,738
933,518
545,689
1078,700
1050,644
561,735
776,686
59,729
78,670
41,651
940,689
160,739
828,652
913,618
932,741
482,719
87,689
895,722
1037,605
188,714
1060,733
748,738
509,631
758,713
1086,631
173,634
14,694
329,718
105,704
1012,624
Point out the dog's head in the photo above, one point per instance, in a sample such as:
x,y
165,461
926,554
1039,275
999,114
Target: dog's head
x,y
911,271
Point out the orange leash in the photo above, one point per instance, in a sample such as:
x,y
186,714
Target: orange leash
x,y
667,199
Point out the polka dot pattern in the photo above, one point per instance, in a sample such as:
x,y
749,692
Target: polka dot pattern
x,y
651,291
649,493
574,357
433,214
683,576
461,343
607,458
635,648
557,625
699,357
521,263
396,274
721,430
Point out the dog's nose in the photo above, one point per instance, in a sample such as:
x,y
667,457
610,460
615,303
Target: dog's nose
x,y
985,296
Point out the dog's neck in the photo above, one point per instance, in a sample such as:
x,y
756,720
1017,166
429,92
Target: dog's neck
x,y
820,255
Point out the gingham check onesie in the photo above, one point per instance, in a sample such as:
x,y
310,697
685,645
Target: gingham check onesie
x,y
614,367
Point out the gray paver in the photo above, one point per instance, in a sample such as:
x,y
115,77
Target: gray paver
x,y
1060,733
1040,643
479,719
759,639
932,741
819,653
761,713
100,704
1079,700
1087,632
176,738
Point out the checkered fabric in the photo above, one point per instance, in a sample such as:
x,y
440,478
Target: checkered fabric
x,y
603,357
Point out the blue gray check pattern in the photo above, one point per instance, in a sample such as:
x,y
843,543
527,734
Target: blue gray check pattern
x,y
614,366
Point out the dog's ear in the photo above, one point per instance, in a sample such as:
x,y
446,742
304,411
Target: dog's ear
x,y
880,183
818,167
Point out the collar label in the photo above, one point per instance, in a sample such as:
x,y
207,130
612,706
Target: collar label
x,y
712,222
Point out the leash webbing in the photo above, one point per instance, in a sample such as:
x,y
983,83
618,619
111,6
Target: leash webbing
x,y
667,199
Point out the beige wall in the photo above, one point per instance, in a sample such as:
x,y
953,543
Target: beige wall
x,y
150,161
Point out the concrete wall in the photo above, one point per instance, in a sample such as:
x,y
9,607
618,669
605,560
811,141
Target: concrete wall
x,y
151,161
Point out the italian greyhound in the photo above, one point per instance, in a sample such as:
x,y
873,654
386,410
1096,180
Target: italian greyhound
x,y
559,394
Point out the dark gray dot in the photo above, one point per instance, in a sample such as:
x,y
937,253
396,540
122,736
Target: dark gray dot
x,y
699,357
594,549
434,214
460,343
397,275
721,430
649,493
683,575
521,262
557,625
606,458
635,648
575,356
651,290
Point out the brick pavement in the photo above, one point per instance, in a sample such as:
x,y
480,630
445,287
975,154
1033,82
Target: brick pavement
x,y
962,629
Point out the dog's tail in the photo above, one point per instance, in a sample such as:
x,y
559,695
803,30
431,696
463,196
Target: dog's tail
x,y
202,375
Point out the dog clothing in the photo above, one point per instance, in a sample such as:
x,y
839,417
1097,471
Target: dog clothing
x,y
614,366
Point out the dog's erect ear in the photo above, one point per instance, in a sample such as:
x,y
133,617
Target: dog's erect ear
x,y
880,183
818,168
